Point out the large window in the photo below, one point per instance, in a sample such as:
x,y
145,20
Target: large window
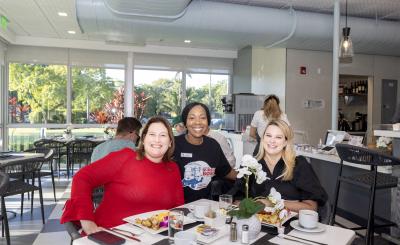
x,y
208,89
97,95
37,93
157,93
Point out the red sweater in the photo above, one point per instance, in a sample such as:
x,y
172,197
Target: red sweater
x,y
130,187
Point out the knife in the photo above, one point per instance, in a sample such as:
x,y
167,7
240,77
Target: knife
x,y
303,240
122,234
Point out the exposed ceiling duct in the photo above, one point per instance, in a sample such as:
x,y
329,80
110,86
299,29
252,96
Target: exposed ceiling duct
x,y
231,26
149,10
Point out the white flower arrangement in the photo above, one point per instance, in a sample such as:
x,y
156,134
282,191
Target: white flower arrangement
x,y
248,167
248,206
278,204
383,142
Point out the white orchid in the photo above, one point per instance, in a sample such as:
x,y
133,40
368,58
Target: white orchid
x,y
248,167
278,204
242,172
383,142
261,177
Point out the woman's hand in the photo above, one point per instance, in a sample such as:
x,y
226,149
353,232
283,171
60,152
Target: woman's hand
x,y
89,227
297,205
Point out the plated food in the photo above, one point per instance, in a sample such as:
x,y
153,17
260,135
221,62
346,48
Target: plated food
x,y
271,217
155,221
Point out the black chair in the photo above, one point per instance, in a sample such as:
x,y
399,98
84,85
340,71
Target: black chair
x,y
60,149
79,151
17,171
71,227
49,155
372,181
4,180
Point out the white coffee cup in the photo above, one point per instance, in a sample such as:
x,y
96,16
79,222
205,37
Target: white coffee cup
x,y
308,218
200,209
185,238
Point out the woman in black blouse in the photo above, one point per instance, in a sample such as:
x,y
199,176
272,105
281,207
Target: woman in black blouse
x,y
292,176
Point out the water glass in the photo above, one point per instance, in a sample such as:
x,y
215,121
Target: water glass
x,y
175,223
225,201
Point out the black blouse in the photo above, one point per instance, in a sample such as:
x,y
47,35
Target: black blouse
x,y
304,185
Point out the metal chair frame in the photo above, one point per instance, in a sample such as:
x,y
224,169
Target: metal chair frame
x,y
371,180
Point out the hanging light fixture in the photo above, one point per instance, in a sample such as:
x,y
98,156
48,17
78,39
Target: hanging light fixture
x,y
346,45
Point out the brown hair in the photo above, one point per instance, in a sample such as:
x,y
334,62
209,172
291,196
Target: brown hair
x,y
288,154
141,151
271,107
128,125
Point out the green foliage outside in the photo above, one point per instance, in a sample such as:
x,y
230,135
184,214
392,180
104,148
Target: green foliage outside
x,y
38,94
92,89
41,90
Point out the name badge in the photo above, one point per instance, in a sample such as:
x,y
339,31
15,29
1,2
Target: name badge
x,y
189,155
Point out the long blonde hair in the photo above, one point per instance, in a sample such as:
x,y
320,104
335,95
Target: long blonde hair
x,y
288,153
271,107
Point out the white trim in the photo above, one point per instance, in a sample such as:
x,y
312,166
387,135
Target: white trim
x,y
101,45
129,102
58,125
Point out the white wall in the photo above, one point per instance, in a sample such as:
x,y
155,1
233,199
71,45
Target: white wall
x,y
316,84
269,72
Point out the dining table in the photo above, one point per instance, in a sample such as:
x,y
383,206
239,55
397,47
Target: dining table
x,y
9,156
331,235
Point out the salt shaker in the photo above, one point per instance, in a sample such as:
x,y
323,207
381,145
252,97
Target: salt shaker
x,y
245,234
233,235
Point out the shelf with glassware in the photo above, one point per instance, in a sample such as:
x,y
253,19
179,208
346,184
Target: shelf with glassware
x,y
353,103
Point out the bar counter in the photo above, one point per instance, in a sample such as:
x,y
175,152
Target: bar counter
x,y
395,172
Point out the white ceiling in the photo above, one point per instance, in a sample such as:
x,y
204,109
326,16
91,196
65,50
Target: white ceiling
x,y
39,19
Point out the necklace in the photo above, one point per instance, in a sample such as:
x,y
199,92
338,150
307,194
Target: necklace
x,y
191,141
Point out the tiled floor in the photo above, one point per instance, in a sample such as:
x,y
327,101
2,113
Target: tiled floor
x,y
29,229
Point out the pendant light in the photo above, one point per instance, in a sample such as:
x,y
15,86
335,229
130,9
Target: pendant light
x,y
346,52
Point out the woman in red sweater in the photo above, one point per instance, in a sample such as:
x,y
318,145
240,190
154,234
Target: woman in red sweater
x,y
134,182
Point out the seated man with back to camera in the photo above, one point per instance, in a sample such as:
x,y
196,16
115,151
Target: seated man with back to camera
x,y
127,136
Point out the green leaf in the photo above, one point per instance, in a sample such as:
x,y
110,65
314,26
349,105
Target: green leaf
x,y
247,208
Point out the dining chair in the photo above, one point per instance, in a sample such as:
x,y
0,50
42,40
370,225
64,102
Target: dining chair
x,y
4,181
48,158
371,180
18,185
79,151
60,150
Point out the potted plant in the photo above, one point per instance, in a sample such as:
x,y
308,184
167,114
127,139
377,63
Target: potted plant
x,y
248,207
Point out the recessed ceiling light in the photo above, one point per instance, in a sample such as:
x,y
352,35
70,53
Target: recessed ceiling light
x,y
63,14
71,32
187,41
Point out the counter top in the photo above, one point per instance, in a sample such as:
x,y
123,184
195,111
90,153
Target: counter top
x,y
387,133
336,159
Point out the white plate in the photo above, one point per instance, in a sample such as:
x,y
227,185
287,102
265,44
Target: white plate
x,y
191,216
291,215
295,224
222,231
131,220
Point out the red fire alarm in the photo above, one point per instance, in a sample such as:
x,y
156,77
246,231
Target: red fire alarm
x,y
303,70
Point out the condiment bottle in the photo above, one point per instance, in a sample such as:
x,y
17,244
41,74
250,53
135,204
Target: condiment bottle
x,y
245,234
233,234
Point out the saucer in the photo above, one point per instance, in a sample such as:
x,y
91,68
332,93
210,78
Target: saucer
x,y
295,224
191,216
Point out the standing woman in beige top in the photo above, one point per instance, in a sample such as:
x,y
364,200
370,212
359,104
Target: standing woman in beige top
x,y
261,118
